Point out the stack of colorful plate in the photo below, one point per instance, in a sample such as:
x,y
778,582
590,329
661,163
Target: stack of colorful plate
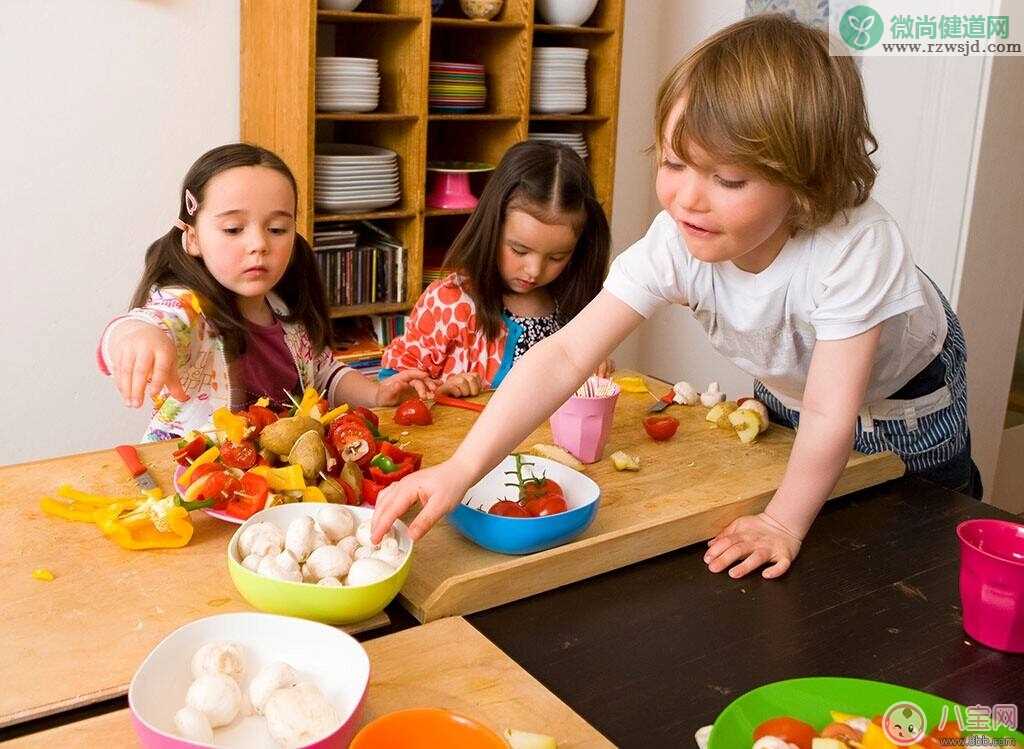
x,y
559,80
347,84
575,141
349,178
457,87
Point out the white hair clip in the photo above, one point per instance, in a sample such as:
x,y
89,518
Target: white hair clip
x,y
191,204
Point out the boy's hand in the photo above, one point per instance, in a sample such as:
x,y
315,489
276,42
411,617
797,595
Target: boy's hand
x,y
462,385
438,488
144,363
398,387
757,540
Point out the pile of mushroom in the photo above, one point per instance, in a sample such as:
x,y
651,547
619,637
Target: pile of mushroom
x,y
329,550
297,713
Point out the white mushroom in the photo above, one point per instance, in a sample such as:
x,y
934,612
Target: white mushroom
x,y
193,725
711,396
217,696
280,567
328,561
302,537
363,535
262,539
772,742
271,677
336,522
330,582
390,553
219,658
349,544
299,715
368,572
362,552
252,562
685,394
307,573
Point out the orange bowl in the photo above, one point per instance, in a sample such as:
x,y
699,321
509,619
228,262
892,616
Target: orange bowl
x,y
426,728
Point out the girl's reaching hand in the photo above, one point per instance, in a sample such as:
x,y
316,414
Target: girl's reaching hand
x,y
462,385
144,362
757,540
438,488
398,387
605,368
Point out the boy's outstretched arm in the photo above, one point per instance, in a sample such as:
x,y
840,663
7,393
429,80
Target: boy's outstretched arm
x,y
836,382
537,385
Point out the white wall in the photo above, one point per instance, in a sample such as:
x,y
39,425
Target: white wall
x,y
106,104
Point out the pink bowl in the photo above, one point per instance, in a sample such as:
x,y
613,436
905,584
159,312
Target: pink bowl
x,y
328,657
992,582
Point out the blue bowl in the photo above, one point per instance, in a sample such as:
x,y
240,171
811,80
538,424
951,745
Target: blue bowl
x,y
526,535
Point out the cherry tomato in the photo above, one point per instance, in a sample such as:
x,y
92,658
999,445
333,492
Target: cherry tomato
x,y
548,504
540,489
508,509
249,497
413,412
259,417
242,455
661,428
788,729
220,486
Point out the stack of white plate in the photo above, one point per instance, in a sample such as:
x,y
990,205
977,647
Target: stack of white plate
x,y
575,141
349,177
347,84
559,83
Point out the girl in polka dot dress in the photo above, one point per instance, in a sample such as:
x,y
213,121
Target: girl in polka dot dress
x,y
530,257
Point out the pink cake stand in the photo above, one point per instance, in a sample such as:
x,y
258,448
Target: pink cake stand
x,y
450,183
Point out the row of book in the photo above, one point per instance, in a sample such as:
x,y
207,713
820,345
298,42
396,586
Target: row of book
x,y
359,264
360,341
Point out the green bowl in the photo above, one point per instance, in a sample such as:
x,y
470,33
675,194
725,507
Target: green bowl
x,y
306,600
811,699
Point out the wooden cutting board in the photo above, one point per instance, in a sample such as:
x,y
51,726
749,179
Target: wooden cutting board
x,y
686,491
446,663
79,638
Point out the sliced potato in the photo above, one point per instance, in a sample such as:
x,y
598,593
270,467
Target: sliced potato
x,y
719,414
747,424
309,453
557,454
281,436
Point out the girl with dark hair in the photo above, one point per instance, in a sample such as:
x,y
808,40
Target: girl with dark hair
x,y
230,307
530,257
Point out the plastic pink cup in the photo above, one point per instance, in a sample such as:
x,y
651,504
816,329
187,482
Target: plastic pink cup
x,y
992,582
582,425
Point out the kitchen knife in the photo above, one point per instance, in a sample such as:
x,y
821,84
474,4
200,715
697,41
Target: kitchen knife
x,y
664,402
138,471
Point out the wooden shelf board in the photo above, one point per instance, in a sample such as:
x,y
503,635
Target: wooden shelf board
x,y
548,28
448,212
468,23
356,310
365,216
537,117
349,16
365,117
483,117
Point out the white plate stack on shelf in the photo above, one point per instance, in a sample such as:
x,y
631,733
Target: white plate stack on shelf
x,y
347,84
575,141
559,80
350,177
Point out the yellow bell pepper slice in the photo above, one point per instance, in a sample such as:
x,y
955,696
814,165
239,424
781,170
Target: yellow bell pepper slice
x,y
285,479
334,413
152,524
41,573
97,500
632,384
875,738
313,494
263,402
230,424
310,397
77,511
207,457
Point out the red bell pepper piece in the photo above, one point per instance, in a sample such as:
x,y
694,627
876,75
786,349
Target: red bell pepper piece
x,y
250,499
370,491
369,416
190,452
259,417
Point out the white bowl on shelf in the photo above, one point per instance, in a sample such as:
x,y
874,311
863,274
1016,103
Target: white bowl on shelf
x,y
566,12
339,4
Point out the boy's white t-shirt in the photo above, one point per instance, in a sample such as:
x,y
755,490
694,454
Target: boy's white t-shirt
x,y
830,283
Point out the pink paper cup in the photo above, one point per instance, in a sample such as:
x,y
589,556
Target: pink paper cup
x,y
582,426
992,582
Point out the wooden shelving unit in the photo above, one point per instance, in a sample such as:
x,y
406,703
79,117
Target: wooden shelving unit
x,y
280,43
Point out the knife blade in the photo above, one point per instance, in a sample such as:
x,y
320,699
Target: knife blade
x,y
663,402
142,477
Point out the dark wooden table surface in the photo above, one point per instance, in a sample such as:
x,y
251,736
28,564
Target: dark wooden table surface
x,y
650,653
